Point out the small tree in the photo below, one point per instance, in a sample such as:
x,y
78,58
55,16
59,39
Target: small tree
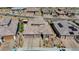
x,y
21,27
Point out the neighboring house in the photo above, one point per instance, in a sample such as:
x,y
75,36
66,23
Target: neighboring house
x,y
32,11
45,11
17,10
8,29
66,29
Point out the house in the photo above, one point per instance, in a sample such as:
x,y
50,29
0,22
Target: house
x,y
8,29
45,11
66,29
33,11
37,27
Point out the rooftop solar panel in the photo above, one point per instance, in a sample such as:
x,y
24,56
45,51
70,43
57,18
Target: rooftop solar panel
x,y
71,33
60,25
72,28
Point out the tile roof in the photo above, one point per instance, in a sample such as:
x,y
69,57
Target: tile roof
x,y
8,30
43,27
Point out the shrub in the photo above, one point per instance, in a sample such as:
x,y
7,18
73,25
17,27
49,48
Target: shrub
x,y
21,27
